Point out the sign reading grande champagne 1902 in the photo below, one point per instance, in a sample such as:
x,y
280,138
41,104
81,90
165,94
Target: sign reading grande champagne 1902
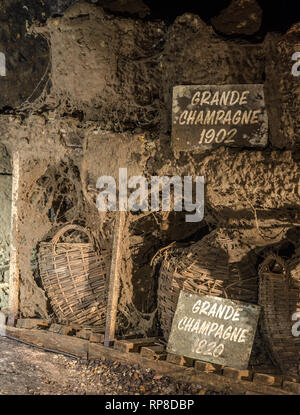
x,y
207,116
213,329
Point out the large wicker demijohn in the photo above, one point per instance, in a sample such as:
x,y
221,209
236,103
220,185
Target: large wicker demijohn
x,y
74,277
202,268
279,296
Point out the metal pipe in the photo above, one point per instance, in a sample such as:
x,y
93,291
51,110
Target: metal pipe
x,y
40,347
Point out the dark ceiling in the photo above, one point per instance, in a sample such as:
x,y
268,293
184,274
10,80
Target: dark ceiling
x,y
278,16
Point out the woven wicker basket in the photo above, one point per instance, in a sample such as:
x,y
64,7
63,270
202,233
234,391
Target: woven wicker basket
x,y
74,278
293,268
202,269
279,296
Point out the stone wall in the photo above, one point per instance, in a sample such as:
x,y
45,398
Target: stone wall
x,y
108,105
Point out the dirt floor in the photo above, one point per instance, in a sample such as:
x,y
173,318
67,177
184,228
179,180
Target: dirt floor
x,y
25,370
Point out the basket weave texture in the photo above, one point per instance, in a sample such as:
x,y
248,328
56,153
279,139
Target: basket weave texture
x,y
293,267
202,269
279,296
74,277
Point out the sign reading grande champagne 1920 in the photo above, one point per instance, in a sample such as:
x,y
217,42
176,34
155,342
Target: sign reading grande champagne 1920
x,y
207,116
213,329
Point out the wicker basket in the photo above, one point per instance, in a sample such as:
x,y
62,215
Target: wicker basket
x,y
74,278
293,267
202,269
277,296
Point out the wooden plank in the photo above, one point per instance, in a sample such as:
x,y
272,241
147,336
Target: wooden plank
x,y
62,329
84,334
237,374
291,387
179,360
97,337
13,296
32,323
62,343
114,280
154,352
207,367
211,381
268,379
133,345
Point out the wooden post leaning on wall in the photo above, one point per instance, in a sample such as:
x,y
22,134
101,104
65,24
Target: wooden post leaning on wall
x,y
13,298
114,280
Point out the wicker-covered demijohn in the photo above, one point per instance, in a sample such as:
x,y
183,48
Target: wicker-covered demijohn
x,y
202,268
293,268
74,277
279,296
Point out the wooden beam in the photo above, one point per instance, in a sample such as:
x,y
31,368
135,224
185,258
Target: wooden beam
x,y
154,352
62,343
114,280
13,297
32,323
134,345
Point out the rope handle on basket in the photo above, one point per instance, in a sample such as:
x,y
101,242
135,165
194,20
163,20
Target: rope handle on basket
x,y
73,227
